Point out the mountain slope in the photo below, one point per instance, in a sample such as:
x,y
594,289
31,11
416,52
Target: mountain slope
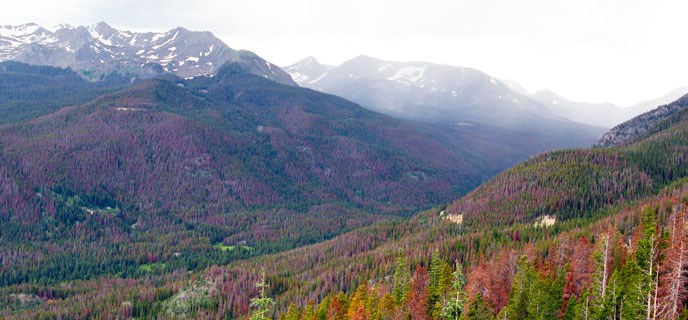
x,y
591,190
307,71
597,114
29,91
309,123
177,169
443,95
586,180
604,115
411,89
493,254
638,127
648,105
95,51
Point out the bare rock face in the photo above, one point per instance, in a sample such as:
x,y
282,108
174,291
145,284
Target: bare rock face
x,y
94,51
636,127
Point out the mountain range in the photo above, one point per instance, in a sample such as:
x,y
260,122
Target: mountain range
x,y
422,91
605,208
172,167
97,50
153,175
440,93
602,114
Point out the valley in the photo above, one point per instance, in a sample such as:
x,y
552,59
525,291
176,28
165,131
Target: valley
x,y
165,175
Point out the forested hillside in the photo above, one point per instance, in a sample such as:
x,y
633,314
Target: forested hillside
x,y
615,250
574,183
28,91
118,180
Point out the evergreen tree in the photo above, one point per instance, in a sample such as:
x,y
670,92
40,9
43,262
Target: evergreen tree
x,y
293,313
261,304
580,308
323,306
358,301
517,307
454,306
402,279
309,311
546,295
479,310
646,261
440,278
633,284
374,305
600,278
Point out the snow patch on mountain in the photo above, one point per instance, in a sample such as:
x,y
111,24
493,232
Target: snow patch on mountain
x,y
100,49
408,74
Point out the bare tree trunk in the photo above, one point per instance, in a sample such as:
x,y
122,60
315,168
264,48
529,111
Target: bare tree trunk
x,y
674,293
654,308
605,261
649,273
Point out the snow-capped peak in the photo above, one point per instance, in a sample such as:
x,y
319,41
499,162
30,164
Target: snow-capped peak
x,y
103,48
20,30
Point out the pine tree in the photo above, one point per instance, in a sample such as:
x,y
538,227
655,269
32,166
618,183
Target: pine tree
x,y
293,313
602,259
261,304
580,308
338,307
358,302
633,291
402,279
479,310
323,306
612,305
309,311
387,305
517,307
546,295
374,305
646,261
438,283
454,306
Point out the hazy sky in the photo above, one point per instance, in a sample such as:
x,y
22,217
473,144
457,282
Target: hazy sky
x,y
619,51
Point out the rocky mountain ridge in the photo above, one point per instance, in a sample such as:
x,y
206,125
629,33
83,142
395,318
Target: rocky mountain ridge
x,y
441,95
94,51
635,128
431,92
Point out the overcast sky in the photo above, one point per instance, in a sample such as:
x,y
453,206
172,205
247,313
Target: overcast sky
x,y
619,51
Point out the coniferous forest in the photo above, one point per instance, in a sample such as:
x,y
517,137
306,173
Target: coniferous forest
x,y
235,197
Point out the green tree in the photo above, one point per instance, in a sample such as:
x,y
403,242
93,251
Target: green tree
x,y
633,286
261,304
402,279
374,305
358,300
309,311
439,281
454,306
517,307
546,295
646,261
600,279
479,310
293,313
323,306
